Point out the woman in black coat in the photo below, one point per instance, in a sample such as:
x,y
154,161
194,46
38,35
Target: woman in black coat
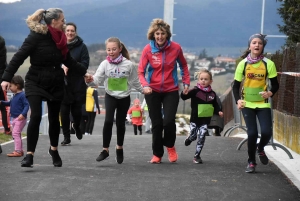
x,y
46,45
75,87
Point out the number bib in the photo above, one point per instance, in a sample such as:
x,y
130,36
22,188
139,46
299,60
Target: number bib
x,y
117,84
205,110
252,94
136,114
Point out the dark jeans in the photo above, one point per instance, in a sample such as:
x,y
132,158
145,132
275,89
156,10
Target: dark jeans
x,y
265,122
163,128
121,107
65,110
35,103
4,112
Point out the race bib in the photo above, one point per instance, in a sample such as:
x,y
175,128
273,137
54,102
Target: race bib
x,y
117,84
205,110
252,94
136,113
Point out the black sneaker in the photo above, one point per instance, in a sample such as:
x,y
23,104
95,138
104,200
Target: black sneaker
x,y
197,159
77,131
187,142
55,158
119,155
263,157
250,167
141,132
27,161
103,155
66,141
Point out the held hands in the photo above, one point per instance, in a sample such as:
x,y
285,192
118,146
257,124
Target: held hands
x,y
185,90
65,68
5,85
147,90
88,78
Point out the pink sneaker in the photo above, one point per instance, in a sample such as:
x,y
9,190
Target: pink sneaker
x,y
155,159
172,154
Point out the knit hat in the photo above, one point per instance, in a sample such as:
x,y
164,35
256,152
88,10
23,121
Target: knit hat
x,y
260,36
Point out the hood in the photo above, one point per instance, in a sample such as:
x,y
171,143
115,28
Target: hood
x,y
136,101
36,26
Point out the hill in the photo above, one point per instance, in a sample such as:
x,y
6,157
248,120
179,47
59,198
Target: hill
x,y
199,24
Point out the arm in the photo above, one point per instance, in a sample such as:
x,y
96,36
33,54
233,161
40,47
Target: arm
x,y
142,68
133,79
190,94
25,106
5,103
72,63
100,74
2,56
183,69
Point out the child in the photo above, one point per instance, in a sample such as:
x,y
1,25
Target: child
x,y
18,111
119,75
255,70
136,116
204,104
91,108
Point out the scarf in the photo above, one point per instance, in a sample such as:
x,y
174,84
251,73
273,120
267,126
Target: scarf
x,y
117,60
60,40
207,89
254,60
162,47
73,41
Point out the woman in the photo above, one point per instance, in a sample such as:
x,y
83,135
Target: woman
x,y
159,60
46,45
75,87
253,101
120,76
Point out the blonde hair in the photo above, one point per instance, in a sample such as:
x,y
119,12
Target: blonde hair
x,y
46,15
158,24
124,51
204,71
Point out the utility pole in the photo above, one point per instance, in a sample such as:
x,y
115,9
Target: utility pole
x,y
169,13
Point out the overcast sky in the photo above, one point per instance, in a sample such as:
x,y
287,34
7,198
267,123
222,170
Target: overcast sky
x,y
8,1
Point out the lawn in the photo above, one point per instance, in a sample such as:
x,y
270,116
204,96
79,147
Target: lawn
x,y
6,138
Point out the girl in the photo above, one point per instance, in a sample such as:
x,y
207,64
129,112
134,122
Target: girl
x,y
204,104
119,75
136,114
18,111
253,101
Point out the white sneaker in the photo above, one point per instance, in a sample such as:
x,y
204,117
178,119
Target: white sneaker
x,y
86,134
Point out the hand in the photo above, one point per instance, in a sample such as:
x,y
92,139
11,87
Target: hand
x,y
65,68
88,78
221,114
241,104
266,94
21,117
147,90
185,90
5,85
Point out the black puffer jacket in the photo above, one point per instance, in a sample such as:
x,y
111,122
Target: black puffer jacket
x,y
2,56
76,87
45,76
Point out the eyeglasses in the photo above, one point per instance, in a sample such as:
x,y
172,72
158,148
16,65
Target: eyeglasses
x,y
63,20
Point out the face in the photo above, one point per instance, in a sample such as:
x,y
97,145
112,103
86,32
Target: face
x,y
113,50
70,33
59,23
13,88
204,79
256,47
160,37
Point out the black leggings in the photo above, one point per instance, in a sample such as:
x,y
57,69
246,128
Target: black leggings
x,y
75,109
264,117
137,127
90,122
121,107
35,103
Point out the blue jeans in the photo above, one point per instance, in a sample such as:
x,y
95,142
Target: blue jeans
x,y
265,121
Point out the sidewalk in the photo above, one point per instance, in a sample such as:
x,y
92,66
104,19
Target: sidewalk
x,y
220,177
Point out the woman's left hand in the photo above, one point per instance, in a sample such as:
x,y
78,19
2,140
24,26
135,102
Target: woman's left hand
x,y
65,68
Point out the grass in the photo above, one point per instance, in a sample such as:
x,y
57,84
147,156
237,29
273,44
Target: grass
x,y
6,138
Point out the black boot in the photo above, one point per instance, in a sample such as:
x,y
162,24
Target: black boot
x,y
27,161
67,141
55,158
